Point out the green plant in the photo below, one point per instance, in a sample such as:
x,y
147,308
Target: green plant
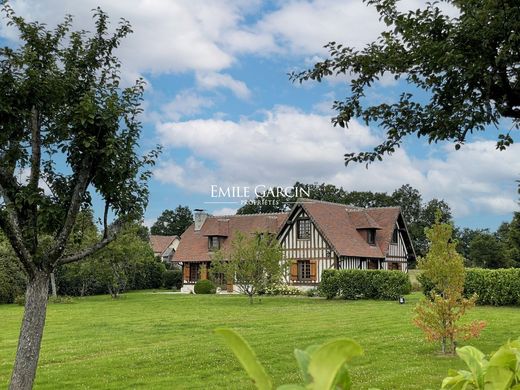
x,y
254,262
439,316
204,286
364,284
497,287
500,371
282,289
172,279
20,300
313,292
322,367
61,299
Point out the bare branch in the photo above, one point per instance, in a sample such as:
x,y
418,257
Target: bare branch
x,y
87,252
36,150
74,205
11,227
105,219
34,175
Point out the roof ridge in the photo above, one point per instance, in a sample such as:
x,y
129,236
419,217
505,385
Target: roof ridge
x,y
309,200
247,215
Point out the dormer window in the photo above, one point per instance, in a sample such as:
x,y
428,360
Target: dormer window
x,y
213,243
371,236
304,229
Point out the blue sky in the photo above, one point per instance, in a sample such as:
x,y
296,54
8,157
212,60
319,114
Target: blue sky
x,y
221,104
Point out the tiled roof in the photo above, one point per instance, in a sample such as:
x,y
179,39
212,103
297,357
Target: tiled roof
x,y
342,226
161,243
194,244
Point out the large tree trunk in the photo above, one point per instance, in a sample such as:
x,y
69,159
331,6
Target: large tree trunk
x,y
31,333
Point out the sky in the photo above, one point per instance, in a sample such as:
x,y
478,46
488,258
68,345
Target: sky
x,y
219,101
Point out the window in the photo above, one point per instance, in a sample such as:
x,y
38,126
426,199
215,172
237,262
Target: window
x,y
394,266
373,264
394,236
213,243
371,236
194,272
304,229
304,270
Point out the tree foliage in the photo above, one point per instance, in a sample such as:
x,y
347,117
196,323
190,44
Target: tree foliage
x,y
438,316
173,222
486,251
254,262
466,65
67,130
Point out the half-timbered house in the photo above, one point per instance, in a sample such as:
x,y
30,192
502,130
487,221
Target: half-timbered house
x,y
314,236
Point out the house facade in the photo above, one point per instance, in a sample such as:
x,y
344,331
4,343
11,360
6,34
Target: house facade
x,y
314,236
164,246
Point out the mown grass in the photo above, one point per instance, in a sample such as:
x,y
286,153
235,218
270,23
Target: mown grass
x,y
160,341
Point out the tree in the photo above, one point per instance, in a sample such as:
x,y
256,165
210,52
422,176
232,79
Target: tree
x,y
254,262
467,67
67,123
464,236
486,251
120,263
427,217
514,239
439,315
410,201
173,222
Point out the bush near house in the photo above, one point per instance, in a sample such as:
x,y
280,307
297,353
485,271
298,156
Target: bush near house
x,y
205,286
172,278
497,287
364,284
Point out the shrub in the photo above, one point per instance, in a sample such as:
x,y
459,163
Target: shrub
x,y
20,300
329,286
205,286
12,278
282,289
313,292
172,278
61,299
364,284
497,287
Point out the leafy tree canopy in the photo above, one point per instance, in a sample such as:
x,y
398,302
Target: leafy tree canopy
x,y
173,222
468,67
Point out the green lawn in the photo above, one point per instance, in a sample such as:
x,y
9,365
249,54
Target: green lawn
x,y
159,341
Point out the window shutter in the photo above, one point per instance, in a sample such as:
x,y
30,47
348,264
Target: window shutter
x,y
314,267
294,270
186,269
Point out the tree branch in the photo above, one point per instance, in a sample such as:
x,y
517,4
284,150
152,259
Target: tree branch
x,y
86,252
105,219
11,227
36,150
34,175
74,205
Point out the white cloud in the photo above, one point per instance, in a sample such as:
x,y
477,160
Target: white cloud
x,y
214,80
225,211
289,145
185,103
169,36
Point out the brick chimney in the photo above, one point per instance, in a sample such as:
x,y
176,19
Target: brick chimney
x,y
199,217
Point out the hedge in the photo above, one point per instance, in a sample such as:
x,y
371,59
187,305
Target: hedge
x,y
364,284
497,287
